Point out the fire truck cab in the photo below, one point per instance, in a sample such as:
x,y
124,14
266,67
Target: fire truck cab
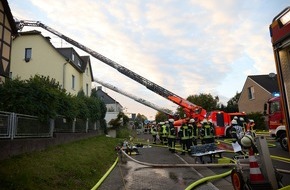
x,y
276,121
280,37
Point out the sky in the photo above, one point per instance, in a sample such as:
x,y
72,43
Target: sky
x,y
187,47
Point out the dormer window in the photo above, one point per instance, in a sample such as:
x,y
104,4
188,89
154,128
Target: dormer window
x,y
73,56
79,63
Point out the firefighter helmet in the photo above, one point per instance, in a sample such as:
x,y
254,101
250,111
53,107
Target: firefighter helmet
x,y
247,141
191,121
171,120
234,122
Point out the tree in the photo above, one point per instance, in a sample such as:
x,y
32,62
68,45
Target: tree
x,y
38,96
180,112
259,119
13,96
67,106
140,118
94,107
102,105
103,109
232,104
160,116
82,105
206,101
120,121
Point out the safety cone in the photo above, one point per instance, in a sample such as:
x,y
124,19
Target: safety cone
x,y
256,175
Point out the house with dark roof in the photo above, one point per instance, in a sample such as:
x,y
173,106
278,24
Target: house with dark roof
x,y
113,107
32,54
256,92
8,31
80,63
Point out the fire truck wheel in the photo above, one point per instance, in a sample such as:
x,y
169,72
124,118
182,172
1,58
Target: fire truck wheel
x,y
237,180
283,141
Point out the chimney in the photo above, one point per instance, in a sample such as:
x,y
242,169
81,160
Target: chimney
x,y
47,38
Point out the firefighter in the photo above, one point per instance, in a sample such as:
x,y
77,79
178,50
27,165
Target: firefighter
x,y
194,131
237,131
207,132
171,136
190,131
163,133
242,123
250,128
184,138
154,132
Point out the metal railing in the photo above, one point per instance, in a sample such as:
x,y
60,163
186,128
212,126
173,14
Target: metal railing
x,y
5,124
14,125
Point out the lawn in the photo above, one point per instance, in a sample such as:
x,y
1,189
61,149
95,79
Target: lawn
x,y
78,165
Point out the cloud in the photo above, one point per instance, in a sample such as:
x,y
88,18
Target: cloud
x,y
187,47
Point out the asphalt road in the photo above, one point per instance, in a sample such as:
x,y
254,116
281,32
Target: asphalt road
x,y
131,175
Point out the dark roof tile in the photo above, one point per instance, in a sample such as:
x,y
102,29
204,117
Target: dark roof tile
x,y
268,83
105,97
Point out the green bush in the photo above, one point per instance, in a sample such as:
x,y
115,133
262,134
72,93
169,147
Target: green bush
x,y
45,98
259,119
123,133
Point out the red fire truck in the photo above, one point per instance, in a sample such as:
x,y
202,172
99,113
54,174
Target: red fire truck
x,y
276,120
222,121
280,36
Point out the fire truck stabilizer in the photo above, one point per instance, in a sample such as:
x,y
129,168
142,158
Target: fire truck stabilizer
x,y
191,110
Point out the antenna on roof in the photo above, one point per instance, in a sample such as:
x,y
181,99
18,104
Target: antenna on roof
x,y
272,75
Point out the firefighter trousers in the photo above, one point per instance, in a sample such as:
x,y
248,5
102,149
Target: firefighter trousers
x,y
171,144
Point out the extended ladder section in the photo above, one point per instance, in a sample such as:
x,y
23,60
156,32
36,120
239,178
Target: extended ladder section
x,y
140,100
192,110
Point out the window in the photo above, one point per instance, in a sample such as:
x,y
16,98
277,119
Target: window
x,y
251,93
79,63
87,89
73,82
73,57
28,52
274,107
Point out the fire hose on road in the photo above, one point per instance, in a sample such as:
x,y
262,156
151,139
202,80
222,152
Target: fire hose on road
x,y
123,155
